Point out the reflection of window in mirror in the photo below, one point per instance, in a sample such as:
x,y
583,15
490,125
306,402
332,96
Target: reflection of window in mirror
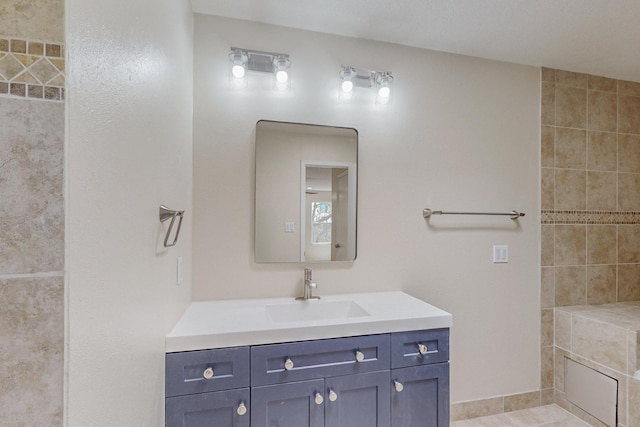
x,y
321,223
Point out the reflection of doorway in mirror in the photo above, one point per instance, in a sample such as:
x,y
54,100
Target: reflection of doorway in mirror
x,y
340,197
316,247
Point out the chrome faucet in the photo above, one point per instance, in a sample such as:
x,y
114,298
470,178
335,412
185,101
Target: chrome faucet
x,y
308,286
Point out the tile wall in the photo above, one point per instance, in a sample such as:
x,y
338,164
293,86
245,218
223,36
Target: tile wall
x,y
31,212
590,198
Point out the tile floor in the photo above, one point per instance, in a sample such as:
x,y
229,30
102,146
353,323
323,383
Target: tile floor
x,y
547,416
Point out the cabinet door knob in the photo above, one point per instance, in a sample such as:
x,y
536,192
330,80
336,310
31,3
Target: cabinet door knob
x,y
422,348
242,409
333,396
208,373
318,399
398,386
359,356
288,364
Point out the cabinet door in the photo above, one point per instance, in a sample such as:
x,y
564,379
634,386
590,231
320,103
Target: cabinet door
x,y
299,404
420,396
220,408
358,400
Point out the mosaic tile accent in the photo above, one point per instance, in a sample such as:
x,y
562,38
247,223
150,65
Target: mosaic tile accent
x,y
549,216
31,69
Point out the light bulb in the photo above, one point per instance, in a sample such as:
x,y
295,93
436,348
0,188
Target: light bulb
x,y
384,92
347,86
282,76
238,71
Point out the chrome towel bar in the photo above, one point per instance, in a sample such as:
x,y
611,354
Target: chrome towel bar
x,y
513,214
165,214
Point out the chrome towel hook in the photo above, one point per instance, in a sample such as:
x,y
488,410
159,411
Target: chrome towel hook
x,y
165,214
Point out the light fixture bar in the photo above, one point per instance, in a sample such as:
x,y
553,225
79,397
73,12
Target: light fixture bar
x,y
351,77
259,60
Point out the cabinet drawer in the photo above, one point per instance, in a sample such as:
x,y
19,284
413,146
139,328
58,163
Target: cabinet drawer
x,y
419,347
206,370
220,408
279,363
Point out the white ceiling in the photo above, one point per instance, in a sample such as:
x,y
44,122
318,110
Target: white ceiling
x,y
600,37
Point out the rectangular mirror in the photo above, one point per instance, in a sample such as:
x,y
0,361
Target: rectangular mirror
x,y
306,192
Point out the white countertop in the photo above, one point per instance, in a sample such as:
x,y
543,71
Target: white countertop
x,y
216,324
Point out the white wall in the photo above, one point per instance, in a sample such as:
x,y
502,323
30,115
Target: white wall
x,y
461,134
128,150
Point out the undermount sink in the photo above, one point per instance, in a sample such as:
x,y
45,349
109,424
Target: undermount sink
x,y
314,310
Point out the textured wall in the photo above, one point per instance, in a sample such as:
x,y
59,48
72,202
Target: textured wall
x,y
31,213
461,134
129,145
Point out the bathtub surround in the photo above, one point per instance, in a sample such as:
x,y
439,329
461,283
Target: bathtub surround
x,y
590,147
31,212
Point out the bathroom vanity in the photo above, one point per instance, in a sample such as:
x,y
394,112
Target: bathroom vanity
x,y
379,359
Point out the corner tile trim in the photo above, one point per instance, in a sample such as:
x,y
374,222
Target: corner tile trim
x,y
549,216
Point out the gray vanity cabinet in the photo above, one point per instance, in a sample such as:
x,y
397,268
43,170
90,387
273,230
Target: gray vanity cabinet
x,y
386,380
420,378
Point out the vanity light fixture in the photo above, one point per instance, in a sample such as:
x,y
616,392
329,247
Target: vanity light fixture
x,y
352,77
241,61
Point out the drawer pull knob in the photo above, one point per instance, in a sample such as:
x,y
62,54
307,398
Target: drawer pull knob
x,y
288,364
318,399
422,349
242,409
359,356
333,396
398,385
208,373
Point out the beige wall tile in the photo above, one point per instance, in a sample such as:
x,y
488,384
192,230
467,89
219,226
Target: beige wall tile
x,y
628,282
32,208
634,409
602,244
602,111
571,107
600,342
547,245
629,243
558,362
477,408
571,148
571,287
571,189
548,188
548,107
633,352
628,114
547,146
628,191
546,396
548,75
628,88
569,78
31,351
601,284
520,401
34,19
570,245
602,190
547,288
603,84
546,365
562,329
602,151
546,327
629,153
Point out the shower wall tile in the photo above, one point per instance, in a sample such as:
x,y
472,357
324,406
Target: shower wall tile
x,y
629,244
548,104
628,282
629,114
570,286
569,78
629,149
629,191
31,351
603,84
547,146
602,191
548,183
570,245
571,107
602,244
547,288
571,148
600,342
571,189
629,88
546,327
601,284
603,111
602,151
546,375
31,186
39,19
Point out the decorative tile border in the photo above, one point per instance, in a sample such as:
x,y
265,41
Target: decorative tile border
x,y
31,69
588,217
